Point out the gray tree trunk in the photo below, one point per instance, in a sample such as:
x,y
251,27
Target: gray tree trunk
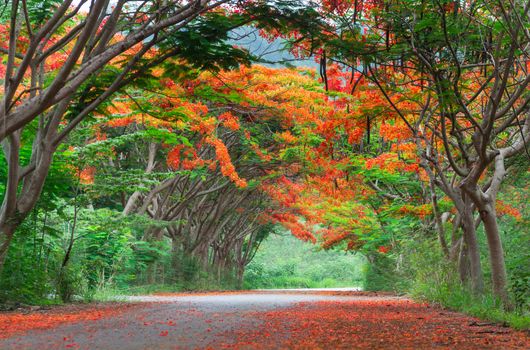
x,y
472,249
485,202
498,267
6,235
464,269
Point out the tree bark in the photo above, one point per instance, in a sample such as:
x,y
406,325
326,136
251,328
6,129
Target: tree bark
x,y
464,269
131,202
498,267
472,249
6,235
20,200
176,260
201,254
240,274
439,223
485,202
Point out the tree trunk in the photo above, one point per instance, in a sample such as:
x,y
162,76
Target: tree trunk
x,y
485,203
151,272
8,210
464,269
498,268
472,250
438,222
19,201
176,257
201,254
456,243
6,235
240,274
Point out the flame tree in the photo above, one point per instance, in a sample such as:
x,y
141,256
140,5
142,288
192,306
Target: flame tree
x,y
62,59
462,68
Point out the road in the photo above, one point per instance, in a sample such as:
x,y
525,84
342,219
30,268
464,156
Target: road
x,y
299,319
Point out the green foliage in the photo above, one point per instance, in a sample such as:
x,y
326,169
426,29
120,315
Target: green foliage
x,y
379,273
516,236
302,267
520,286
110,257
39,10
107,252
30,268
204,42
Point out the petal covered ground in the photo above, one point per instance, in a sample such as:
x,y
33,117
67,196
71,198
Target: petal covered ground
x,y
12,323
256,320
378,324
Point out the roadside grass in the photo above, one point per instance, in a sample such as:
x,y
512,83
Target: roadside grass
x,y
457,298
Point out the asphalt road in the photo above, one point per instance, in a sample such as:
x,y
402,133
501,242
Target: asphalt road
x,y
170,322
206,321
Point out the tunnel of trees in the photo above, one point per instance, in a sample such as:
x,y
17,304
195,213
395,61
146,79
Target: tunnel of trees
x,y
146,143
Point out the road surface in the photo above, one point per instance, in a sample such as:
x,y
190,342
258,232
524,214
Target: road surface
x,y
299,319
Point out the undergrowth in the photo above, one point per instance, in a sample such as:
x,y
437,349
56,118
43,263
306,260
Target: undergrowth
x,y
434,279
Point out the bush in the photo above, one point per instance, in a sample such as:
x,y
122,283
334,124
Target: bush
x,y
30,269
